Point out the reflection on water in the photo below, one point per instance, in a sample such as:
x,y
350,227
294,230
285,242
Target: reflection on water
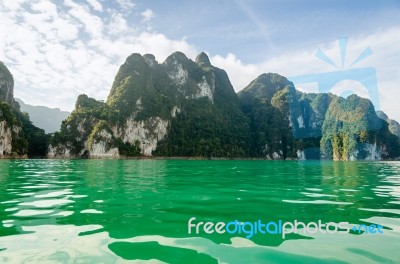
x,y
94,211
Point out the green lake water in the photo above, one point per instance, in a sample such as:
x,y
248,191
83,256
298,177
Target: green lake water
x,y
137,211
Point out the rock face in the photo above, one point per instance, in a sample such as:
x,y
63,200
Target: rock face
x,y
101,143
10,125
5,139
6,85
178,108
18,137
147,132
13,142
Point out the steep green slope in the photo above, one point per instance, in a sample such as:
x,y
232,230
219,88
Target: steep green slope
x,y
285,123
268,126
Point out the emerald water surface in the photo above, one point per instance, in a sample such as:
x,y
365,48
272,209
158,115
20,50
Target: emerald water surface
x,y
116,211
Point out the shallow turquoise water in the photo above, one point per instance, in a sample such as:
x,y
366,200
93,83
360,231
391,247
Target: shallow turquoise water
x,y
137,211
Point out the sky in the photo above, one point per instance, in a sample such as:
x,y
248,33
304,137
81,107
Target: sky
x,y
59,49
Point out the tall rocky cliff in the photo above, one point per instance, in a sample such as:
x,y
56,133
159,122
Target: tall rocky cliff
x,y
18,137
188,108
6,85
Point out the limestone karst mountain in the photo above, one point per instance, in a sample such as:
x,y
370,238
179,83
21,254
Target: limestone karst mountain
x,y
177,108
188,108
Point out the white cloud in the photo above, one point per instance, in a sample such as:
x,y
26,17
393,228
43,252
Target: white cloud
x,y
45,8
93,24
96,5
147,15
126,5
57,52
118,24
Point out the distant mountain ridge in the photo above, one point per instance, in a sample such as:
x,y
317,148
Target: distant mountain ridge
x,y
189,108
49,119
394,126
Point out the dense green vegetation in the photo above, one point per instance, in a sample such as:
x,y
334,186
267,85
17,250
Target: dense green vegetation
x,y
208,128
273,106
352,123
127,149
37,139
269,130
202,131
